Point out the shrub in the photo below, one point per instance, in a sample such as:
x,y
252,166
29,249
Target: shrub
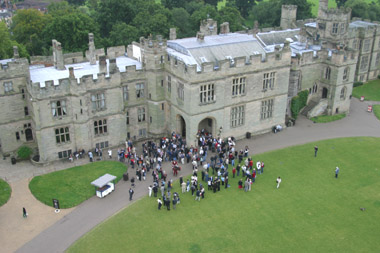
x,y
357,84
378,76
24,152
298,102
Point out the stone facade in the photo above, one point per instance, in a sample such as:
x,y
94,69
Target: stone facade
x,y
230,84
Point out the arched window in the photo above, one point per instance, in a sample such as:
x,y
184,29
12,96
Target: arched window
x,y
343,93
327,73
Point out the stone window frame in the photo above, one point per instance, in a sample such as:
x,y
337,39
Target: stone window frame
x,y
125,93
207,93
62,135
366,45
342,28
335,28
140,90
58,108
64,154
346,74
238,86
237,116
127,118
98,101
343,93
142,132
328,73
364,62
8,87
181,91
103,144
377,60
100,127
17,136
267,109
169,84
355,44
141,114
269,80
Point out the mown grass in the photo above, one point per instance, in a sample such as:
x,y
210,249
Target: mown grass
x,y
328,118
73,186
370,91
310,212
5,192
376,111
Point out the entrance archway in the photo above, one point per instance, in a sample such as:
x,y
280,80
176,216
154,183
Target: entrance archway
x,y
28,134
181,126
207,125
324,92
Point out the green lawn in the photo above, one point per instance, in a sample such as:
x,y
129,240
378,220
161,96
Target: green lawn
x,y
5,192
370,90
73,186
376,111
311,211
328,118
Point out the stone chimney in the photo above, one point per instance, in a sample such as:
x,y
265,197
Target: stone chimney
x,y
200,37
209,27
288,16
15,52
112,68
91,49
102,64
225,28
323,6
173,34
58,55
256,29
71,73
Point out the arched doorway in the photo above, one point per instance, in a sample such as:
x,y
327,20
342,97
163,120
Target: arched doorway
x,y
324,92
207,125
28,134
181,126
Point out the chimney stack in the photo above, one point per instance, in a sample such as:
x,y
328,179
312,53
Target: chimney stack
x,y
15,52
200,37
173,34
91,49
102,64
225,28
71,73
112,67
58,56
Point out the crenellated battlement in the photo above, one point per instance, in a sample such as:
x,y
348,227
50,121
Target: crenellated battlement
x,y
149,44
14,67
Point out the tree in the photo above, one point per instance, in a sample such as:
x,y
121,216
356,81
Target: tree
x,y
244,6
267,13
364,10
212,2
27,27
232,16
207,11
170,4
123,34
181,20
340,3
71,30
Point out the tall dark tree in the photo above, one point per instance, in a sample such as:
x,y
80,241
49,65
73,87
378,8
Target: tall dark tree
x,y
181,20
244,6
340,3
123,34
170,4
6,44
232,16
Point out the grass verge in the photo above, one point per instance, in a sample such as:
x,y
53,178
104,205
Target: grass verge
x,y
376,111
312,211
73,186
5,192
370,91
328,118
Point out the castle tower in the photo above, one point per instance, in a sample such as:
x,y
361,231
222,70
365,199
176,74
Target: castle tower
x,y
288,16
91,48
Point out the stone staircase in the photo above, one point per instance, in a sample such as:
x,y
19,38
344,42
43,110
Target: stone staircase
x,y
317,109
308,107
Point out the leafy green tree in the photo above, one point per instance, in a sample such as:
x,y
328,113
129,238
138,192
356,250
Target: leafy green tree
x,y
170,4
24,152
364,10
340,3
181,20
27,27
207,11
123,34
71,30
232,16
244,6
212,2
59,8
303,8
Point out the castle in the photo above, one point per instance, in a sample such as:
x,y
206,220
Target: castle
x,y
231,84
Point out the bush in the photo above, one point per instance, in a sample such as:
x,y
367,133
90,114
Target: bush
x,y
357,84
298,102
378,76
24,152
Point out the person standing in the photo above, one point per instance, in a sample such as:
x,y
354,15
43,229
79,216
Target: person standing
x,y
278,181
226,182
315,151
183,185
109,153
131,191
24,213
155,190
150,191
246,185
159,203
168,204
233,172
336,172
198,195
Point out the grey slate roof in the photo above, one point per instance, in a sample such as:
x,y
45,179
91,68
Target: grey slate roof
x,y
214,48
359,23
103,180
278,37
